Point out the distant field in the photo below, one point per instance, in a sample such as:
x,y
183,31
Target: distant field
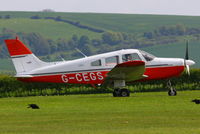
x,y
131,23
134,23
47,28
142,113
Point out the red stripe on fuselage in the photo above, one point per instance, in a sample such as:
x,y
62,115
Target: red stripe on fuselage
x,y
76,78
155,73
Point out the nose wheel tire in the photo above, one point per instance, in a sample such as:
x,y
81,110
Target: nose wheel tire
x,y
172,92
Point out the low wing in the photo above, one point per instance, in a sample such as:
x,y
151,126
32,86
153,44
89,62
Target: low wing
x,y
128,71
23,76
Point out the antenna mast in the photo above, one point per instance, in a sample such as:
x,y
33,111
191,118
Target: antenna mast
x,y
80,52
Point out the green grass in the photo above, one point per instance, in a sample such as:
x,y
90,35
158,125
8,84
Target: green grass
x,y
142,113
47,28
131,23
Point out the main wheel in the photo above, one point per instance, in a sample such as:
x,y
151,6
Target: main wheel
x,y
172,92
124,93
116,92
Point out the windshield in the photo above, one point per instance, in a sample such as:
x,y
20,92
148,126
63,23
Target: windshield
x,y
147,56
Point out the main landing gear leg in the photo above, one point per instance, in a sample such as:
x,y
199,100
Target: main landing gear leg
x,y
119,90
172,91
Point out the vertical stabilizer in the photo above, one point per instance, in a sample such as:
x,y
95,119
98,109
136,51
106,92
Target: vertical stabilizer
x,y
23,59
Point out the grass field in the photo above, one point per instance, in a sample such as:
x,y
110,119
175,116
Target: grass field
x,y
47,28
132,23
142,113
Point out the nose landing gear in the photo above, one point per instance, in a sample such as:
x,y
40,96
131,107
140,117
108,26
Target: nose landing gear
x,y
172,90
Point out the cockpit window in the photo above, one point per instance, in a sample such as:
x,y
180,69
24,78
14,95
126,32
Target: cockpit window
x,y
96,63
130,57
110,61
147,56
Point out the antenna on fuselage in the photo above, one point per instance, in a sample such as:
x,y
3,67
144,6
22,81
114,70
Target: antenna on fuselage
x,y
80,52
61,58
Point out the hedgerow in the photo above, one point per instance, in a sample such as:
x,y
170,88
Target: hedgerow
x,y
11,87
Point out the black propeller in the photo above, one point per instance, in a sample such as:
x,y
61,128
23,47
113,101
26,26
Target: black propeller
x,y
186,53
187,62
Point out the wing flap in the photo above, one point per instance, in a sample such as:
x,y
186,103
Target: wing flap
x,y
128,71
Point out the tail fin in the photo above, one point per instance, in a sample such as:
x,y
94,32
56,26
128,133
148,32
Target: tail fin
x,y
23,59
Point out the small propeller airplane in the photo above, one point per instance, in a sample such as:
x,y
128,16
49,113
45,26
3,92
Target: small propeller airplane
x,y
116,68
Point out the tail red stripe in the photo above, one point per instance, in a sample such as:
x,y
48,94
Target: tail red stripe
x,y
16,47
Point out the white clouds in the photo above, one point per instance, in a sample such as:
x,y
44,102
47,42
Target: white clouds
x,y
182,7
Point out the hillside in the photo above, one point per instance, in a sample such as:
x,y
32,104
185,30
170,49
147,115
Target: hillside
x,y
47,28
60,33
117,22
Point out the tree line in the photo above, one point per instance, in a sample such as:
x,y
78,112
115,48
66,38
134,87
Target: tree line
x,y
109,41
10,87
74,23
5,17
174,30
42,46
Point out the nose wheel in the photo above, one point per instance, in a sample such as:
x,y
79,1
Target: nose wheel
x,y
172,91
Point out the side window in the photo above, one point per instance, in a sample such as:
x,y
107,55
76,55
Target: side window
x,y
110,61
130,57
96,63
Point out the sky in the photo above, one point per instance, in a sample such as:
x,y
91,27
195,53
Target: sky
x,y
170,7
